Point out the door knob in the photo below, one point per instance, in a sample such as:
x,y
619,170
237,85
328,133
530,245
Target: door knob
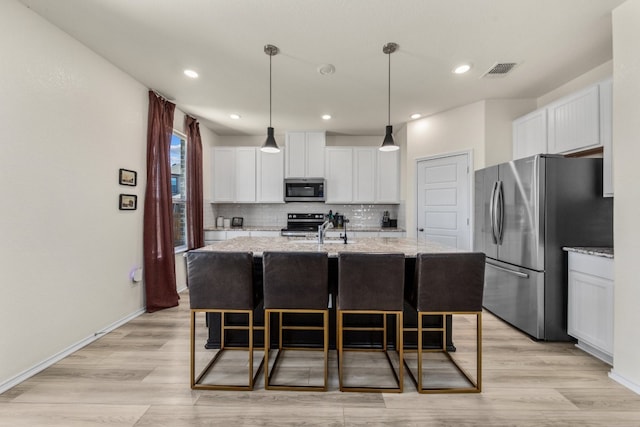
x,y
420,229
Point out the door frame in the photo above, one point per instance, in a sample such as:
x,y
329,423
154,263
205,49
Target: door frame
x,y
469,154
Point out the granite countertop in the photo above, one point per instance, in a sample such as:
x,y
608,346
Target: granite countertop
x,y
245,228
605,252
278,228
258,245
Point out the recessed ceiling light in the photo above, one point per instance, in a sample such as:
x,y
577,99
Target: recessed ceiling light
x,y
416,116
461,69
234,116
190,73
326,117
326,69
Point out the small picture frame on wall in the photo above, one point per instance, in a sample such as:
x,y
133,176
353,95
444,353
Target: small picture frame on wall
x,y
128,202
128,177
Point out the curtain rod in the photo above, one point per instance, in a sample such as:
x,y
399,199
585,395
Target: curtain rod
x,y
163,96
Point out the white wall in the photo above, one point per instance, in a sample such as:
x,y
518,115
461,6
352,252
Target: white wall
x,y
69,121
455,130
499,115
592,76
626,152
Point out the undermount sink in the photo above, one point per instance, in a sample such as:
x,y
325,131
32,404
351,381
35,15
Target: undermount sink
x,y
326,241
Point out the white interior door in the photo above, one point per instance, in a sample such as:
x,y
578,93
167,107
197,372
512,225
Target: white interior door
x,y
443,201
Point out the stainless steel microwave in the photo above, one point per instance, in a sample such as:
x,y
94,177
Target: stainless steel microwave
x,y
304,190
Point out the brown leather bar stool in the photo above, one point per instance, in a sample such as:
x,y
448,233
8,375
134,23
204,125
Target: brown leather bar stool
x,y
448,284
221,282
370,284
295,284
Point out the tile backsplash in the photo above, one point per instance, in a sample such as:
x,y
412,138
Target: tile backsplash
x,y
264,214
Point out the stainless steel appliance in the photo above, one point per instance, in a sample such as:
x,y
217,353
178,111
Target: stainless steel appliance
x,y
302,224
525,212
304,190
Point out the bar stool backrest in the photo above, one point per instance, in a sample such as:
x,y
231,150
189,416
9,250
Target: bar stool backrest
x,y
220,280
449,281
296,280
370,281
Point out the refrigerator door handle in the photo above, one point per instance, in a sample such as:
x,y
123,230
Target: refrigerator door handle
x,y
506,270
500,212
492,212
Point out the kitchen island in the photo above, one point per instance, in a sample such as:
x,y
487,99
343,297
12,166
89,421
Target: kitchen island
x,y
259,245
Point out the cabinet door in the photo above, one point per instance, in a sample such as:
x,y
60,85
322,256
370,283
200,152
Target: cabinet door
x,y
364,174
315,144
296,155
270,177
573,122
224,160
590,301
388,177
606,133
339,175
530,134
245,174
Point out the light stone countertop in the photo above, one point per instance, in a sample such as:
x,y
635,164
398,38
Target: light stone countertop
x,y
278,228
245,228
258,245
605,252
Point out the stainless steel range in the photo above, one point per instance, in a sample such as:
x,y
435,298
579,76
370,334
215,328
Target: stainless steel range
x,y
302,224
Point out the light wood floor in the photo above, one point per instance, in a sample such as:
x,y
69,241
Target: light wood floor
x,y
138,376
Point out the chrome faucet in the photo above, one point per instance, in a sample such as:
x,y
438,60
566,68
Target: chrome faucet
x,y
322,229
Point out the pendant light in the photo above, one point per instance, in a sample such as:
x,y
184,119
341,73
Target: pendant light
x,y
388,144
270,145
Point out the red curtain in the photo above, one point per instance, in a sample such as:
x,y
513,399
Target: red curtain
x,y
159,257
195,221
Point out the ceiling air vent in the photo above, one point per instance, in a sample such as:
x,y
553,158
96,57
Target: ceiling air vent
x,y
500,69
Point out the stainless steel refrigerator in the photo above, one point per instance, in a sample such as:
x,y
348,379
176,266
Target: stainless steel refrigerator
x,y
526,210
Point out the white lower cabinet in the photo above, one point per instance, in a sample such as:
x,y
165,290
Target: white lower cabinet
x,y
213,236
590,304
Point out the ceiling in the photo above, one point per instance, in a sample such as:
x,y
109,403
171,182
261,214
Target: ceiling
x,y
552,41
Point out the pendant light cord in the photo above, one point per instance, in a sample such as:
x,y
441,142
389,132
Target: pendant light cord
x,y
270,56
389,94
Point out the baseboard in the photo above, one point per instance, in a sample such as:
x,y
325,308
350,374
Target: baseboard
x,y
12,382
624,381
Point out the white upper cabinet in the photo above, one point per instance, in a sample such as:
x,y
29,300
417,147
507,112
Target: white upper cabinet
x,y
339,175
573,122
577,122
224,176
304,157
270,174
388,177
530,134
606,133
247,175
364,174
245,171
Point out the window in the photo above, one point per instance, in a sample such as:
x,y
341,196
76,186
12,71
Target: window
x,y
178,163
